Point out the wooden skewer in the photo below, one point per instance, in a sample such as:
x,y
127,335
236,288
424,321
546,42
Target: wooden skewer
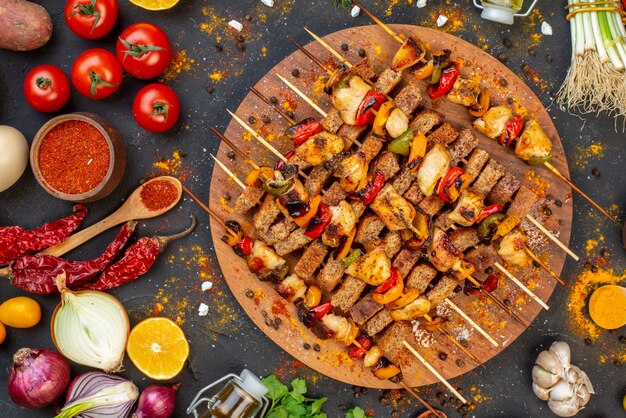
x,y
329,49
457,343
233,147
552,237
311,56
522,286
302,95
379,22
267,101
532,255
207,209
420,399
230,173
496,299
257,136
471,322
434,371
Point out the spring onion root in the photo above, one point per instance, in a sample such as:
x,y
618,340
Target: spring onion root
x,y
596,79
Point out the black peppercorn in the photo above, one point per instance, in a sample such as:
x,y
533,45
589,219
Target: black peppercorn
x,y
443,356
278,321
458,288
489,270
558,203
464,343
343,408
241,46
596,172
459,362
594,269
306,346
395,414
503,57
231,154
266,119
210,90
618,363
588,341
507,302
264,313
362,53
240,38
605,253
622,339
532,52
249,18
549,59
536,264
510,100
226,196
316,347
503,82
344,46
547,211
249,293
219,47
295,72
507,42
269,322
290,114
273,100
275,326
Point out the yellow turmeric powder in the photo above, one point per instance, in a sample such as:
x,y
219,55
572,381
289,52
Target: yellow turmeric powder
x,y
607,306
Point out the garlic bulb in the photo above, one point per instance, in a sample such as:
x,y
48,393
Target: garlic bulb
x,y
566,388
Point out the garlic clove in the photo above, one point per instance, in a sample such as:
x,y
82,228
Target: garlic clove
x,y
562,391
584,379
562,352
550,362
583,395
566,408
541,392
544,378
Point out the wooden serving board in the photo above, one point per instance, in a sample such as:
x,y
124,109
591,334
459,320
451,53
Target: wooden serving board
x,y
332,360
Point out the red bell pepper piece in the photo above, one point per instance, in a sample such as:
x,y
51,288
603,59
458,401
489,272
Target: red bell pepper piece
x,y
245,245
489,285
358,353
373,100
319,223
389,283
511,131
280,163
446,82
448,181
303,130
320,310
489,210
371,189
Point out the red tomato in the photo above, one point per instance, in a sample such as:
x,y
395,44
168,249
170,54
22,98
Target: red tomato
x,y
91,19
96,73
46,88
156,107
144,50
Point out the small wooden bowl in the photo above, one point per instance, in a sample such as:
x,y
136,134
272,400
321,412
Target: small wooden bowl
x,y
117,160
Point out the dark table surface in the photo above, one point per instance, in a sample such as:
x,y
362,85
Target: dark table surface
x,y
226,340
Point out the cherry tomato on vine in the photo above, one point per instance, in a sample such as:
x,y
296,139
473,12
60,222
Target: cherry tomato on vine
x,y
91,19
46,88
156,107
96,73
144,50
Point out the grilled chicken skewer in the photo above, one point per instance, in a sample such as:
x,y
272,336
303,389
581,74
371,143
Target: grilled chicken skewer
x,y
382,366
404,41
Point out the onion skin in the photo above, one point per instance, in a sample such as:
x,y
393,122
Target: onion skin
x,y
38,377
157,401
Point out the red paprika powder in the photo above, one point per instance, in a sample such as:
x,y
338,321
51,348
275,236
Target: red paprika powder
x,y
74,157
158,194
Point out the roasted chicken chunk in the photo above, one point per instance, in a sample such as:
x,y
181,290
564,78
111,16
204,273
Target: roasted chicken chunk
x,y
319,148
262,259
534,142
342,222
494,121
468,207
373,268
292,288
464,92
442,254
351,171
393,209
348,95
512,249
435,165
344,330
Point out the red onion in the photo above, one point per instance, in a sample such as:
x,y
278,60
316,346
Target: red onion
x,y
157,402
37,377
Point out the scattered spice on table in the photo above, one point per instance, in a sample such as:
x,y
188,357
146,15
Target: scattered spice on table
x,y
180,63
158,194
74,157
16,241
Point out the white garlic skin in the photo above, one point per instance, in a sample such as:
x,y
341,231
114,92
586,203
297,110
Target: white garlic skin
x,y
566,408
544,378
562,352
550,362
541,392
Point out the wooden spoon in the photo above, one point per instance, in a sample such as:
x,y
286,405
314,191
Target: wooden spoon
x,y
131,210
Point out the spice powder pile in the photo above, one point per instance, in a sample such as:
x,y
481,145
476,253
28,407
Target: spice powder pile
x,y
158,194
74,157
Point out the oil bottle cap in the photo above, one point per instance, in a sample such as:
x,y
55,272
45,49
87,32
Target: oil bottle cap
x,y
498,14
252,384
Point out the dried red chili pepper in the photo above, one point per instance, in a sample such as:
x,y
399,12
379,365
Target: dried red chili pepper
x,y
373,100
37,273
511,131
371,189
446,82
358,353
16,241
489,210
319,223
303,130
136,261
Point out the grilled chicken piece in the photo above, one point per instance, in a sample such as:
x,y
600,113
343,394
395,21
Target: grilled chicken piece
x,y
468,207
351,171
419,307
344,329
292,288
409,54
319,148
343,220
262,259
397,123
493,122
394,210
348,99
442,254
533,142
464,92
512,249
373,268
435,165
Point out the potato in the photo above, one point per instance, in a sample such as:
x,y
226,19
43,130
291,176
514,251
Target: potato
x,y
23,25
